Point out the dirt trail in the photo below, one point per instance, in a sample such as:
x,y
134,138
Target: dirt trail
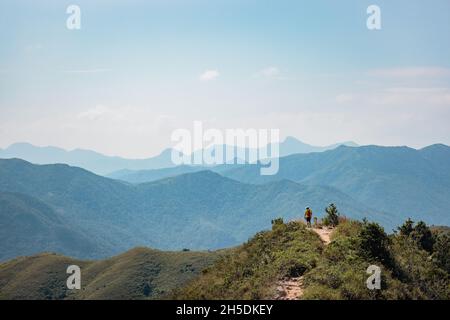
x,y
292,288
324,234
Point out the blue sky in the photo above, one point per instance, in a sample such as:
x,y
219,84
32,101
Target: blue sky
x,y
137,70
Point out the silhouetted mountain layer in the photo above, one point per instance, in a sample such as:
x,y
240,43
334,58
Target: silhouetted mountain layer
x,y
87,159
201,210
102,164
399,180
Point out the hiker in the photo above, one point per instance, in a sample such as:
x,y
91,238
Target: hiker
x,y
308,216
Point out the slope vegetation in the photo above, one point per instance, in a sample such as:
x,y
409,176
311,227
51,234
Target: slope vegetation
x,y
252,270
137,274
28,226
414,264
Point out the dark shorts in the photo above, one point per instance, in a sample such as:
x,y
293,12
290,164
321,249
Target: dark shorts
x,y
308,219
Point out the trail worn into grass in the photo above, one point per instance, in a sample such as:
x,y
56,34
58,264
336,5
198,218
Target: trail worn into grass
x,y
292,288
324,234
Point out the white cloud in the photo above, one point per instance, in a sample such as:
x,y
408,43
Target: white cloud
x,y
409,72
270,72
209,75
97,112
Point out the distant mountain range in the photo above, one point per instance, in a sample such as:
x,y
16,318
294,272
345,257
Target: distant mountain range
x,y
103,165
142,176
75,212
87,159
399,180
292,145
201,210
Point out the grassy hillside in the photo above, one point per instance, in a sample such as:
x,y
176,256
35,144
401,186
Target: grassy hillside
x,y
408,271
137,274
197,210
251,270
411,268
414,262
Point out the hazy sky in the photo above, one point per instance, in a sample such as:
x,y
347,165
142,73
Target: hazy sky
x,y
137,70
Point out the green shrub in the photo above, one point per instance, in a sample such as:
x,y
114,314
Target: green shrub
x,y
407,270
422,236
374,242
406,228
277,222
332,217
420,233
416,269
441,251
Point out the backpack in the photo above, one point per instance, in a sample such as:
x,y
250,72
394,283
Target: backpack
x,y
308,213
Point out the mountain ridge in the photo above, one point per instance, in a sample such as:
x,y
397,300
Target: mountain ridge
x,y
197,211
200,210
106,165
393,179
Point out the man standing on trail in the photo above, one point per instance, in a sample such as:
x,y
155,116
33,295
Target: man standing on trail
x,y
308,216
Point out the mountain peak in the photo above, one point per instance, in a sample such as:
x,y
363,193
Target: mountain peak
x,y
289,139
20,146
349,144
25,146
166,152
292,140
436,146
